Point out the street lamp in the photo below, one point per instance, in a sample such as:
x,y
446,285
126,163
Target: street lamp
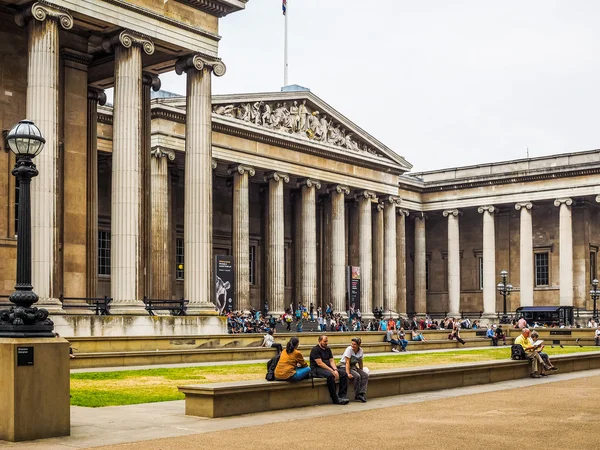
x,y
23,320
504,289
595,293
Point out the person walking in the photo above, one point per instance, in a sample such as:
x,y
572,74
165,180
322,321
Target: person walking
x,y
291,365
352,364
323,365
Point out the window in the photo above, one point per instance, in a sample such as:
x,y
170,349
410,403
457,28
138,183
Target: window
x,y
252,255
179,259
541,270
427,274
593,273
17,192
480,270
103,252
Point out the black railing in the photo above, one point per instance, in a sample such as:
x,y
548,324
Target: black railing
x,y
100,305
175,307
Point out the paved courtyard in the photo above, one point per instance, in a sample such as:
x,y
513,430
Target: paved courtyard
x,y
562,407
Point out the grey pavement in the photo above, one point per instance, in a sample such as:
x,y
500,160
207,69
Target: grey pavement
x,y
120,424
258,361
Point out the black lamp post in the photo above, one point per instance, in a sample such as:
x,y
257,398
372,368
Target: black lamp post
x,y
22,319
504,288
595,293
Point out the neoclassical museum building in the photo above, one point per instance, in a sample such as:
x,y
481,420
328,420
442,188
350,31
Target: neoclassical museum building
x,y
138,198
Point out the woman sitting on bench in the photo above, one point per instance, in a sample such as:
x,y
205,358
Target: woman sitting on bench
x,y
291,365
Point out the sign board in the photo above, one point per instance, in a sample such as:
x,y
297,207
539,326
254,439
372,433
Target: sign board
x,y
560,332
224,283
24,356
353,287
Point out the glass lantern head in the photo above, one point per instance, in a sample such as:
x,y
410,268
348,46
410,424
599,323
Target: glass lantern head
x,y
25,139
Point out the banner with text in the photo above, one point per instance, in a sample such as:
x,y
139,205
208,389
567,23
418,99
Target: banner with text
x,y
224,283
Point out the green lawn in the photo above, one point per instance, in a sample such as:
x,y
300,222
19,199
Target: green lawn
x,y
96,389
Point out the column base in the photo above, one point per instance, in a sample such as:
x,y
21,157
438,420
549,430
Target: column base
x,y
52,305
127,308
201,309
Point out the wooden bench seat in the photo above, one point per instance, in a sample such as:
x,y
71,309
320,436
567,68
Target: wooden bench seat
x,y
244,397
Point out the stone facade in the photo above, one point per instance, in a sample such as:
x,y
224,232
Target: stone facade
x,y
136,199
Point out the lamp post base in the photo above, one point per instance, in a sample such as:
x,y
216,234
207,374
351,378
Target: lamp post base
x,y
504,319
24,322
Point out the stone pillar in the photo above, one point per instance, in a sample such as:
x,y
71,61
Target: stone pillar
x,y
325,259
297,204
390,258
365,250
241,234
338,247
353,238
198,284
453,262
161,246
526,253
275,270
126,199
420,267
377,219
309,241
489,261
401,260
42,108
95,97
566,250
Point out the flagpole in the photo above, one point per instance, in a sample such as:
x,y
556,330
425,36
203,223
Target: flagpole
x,y
285,51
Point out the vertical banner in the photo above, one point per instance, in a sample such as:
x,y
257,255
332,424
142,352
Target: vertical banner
x,y
224,283
353,287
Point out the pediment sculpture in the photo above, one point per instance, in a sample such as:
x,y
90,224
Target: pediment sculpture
x,y
298,119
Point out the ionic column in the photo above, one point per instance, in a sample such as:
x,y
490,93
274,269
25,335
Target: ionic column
x,y
309,241
377,219
401,260
489,260
241,235
95,97
365,250
127,196
526,253
338,246
453,262
566,250
420,269
390,259
275,270
198,181
160,247
42,108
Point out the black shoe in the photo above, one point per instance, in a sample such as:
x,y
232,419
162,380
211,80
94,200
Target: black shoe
x,y
543,375
361,398
553,369
341,401
535,375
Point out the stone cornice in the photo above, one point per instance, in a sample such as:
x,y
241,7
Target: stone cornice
x,y
215,7
78,60
105,118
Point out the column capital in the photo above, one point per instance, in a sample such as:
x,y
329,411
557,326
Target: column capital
x,y
128,39
365,194
42,11
161,152
213,163
420,215
451,212
526,205
379,207
392,199
277,176
152,80
241,169
339,188
566,201
489,208
308,183
97,95
200,62
402,212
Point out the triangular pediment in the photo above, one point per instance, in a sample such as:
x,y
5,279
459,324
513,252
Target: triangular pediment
x,y
300,117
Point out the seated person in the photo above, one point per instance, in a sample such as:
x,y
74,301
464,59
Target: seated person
x,y
417,335
491,334
534,337
291,365
597,336
399,340
323,365
537,362
352,364
455,334
500,334
269,341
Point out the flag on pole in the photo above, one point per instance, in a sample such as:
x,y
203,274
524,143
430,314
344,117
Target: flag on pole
x,y
284,6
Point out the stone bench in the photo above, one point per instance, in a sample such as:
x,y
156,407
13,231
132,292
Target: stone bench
x,y
231,399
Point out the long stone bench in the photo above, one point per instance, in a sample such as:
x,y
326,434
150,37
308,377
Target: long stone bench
x,y
244,397
203,355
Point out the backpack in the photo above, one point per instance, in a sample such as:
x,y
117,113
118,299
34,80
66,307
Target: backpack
x,y
271,366
517,352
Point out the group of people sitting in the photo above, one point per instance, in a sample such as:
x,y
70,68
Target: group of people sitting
x,y
533,350
292,367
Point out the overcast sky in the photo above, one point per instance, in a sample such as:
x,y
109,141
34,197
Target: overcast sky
x,y
442,83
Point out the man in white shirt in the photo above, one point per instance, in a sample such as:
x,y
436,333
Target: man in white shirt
x,y
597,337
269,341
